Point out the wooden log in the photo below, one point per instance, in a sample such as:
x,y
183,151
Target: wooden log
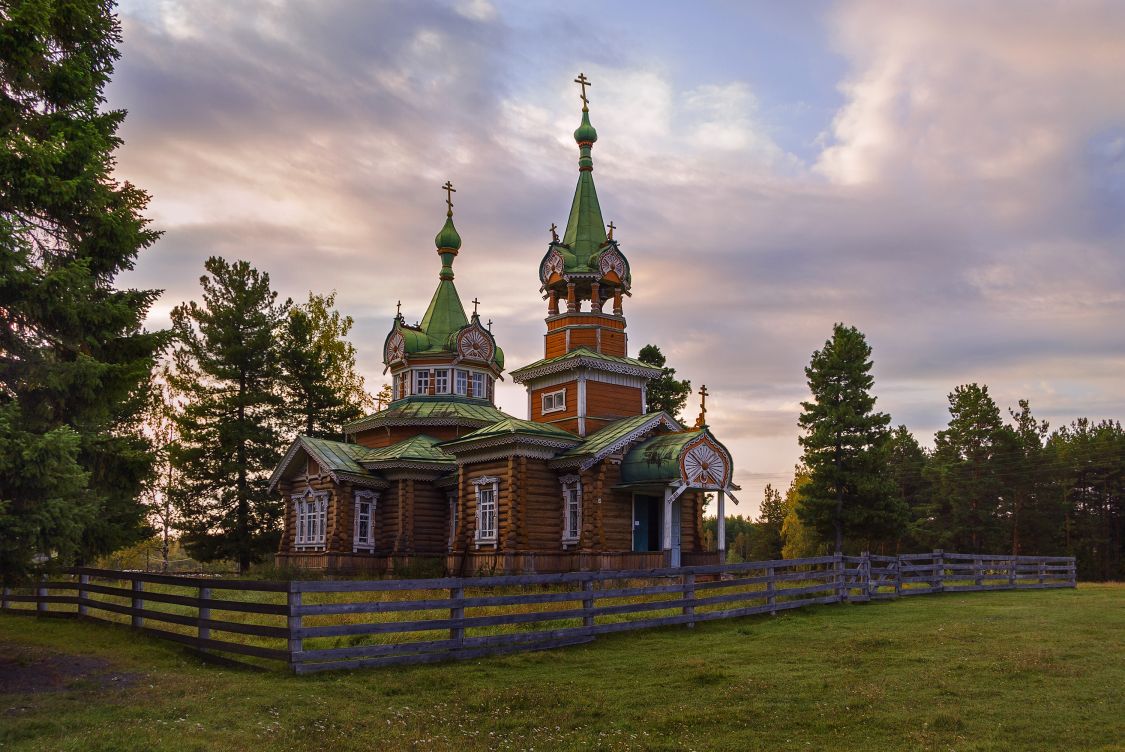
x,y
293,625
588,602
191,582
41,596
689,597
83,581
456,615
203,630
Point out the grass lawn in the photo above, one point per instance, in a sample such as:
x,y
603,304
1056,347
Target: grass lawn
x,y
1031,670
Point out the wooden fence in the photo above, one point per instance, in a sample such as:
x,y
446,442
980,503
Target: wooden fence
x,y
317,625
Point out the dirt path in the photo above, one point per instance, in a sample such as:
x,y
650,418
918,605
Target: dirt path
x,y
29,670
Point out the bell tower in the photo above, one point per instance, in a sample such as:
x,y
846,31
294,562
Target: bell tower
x,y
586,379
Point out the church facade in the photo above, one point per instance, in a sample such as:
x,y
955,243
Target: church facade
x,y
588,480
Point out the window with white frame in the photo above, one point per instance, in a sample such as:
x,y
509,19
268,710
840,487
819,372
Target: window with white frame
x,y
486,509
461,382
396,387
452,499
422,381
553,402
572,508
363,536
441,381
312,517
480,386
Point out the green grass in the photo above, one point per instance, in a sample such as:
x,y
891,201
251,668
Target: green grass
x,y
1031,670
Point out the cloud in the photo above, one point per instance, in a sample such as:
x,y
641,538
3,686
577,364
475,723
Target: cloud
x,y
966,207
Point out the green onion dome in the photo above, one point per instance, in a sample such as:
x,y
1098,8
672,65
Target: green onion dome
x,y
585,132
448,238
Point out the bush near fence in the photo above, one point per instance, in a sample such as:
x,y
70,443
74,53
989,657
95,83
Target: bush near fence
x,y
316,625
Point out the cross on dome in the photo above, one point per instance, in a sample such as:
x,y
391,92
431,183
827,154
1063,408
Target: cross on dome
x,y
554,233
611,227
475,304
701,421
449,191
583,82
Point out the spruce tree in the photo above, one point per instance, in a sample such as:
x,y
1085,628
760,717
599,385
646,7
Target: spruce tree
x,y
322,388
849,492
226,372
767,532
665,392
966,471
75,357
907,464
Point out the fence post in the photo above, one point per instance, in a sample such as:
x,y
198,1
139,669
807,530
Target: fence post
x,y
938,582
978,572
293,621
40,595
865,574
4,593
841,585
689,597
204,631
1042,572
138,602
83,581
457,613
1072,573
1012,564
588,602
771,587
898,575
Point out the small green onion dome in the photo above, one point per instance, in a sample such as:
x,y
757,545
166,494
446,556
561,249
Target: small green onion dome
x,y
585,132
448,237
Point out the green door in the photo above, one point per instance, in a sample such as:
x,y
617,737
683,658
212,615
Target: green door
x,y
647,522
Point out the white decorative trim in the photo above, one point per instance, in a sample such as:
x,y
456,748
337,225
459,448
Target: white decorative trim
x,y
697,460
508,439
487,512
571,533
569,478
390,465
474,458
310,508
484,479
523,375
656,421
360,498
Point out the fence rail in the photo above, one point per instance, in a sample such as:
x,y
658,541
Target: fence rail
x,y
319,625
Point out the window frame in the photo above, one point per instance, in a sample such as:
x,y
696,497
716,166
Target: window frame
x,y
553,402
572,502
485,534
310,530
421,381
441,375
481,379
460,381
371,500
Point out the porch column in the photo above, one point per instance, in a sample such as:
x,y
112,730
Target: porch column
x,y
667,546
721,529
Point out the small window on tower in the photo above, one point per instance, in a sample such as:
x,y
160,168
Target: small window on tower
x,y
553,402
422,381
480,386
461,382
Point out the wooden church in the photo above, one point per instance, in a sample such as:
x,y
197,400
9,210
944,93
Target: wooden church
x,y
589,480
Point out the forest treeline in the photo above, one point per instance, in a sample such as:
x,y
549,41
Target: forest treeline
x,y
992,483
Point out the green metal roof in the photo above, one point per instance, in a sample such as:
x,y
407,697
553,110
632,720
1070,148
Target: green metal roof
x,y
444,316
440,410
614,432
585,353
657,460
337,456
510,425
420,448
585,229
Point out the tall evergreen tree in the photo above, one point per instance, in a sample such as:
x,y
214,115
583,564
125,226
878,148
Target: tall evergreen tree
x,y
907,464
1028,501
666,392
74,357
322,388
968,485
226,371
767,541
849,493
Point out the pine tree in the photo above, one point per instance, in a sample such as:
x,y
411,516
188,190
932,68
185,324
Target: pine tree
x,y
665,392
227,375
1029,502
75,357
845,440
907,465
322,388
767,532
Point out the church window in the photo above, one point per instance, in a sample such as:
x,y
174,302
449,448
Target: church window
x,y
363,538
480,386
553,402
312,516
486,509
422,381
572,508
441,381
461,382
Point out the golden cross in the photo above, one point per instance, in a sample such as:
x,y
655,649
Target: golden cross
x,y
701,421
583,82
554,233
398,309
475,304
449,191
611,227
490,325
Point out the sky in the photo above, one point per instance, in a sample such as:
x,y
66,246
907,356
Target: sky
x,y
947,177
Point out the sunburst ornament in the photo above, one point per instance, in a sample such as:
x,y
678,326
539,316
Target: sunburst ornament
x,y
474,344
396,348
704,466
611,261
552,265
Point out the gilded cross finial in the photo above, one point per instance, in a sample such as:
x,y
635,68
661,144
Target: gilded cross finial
x,y
701,421
584,82
611,227
554,233
449,191
490,325
475,304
